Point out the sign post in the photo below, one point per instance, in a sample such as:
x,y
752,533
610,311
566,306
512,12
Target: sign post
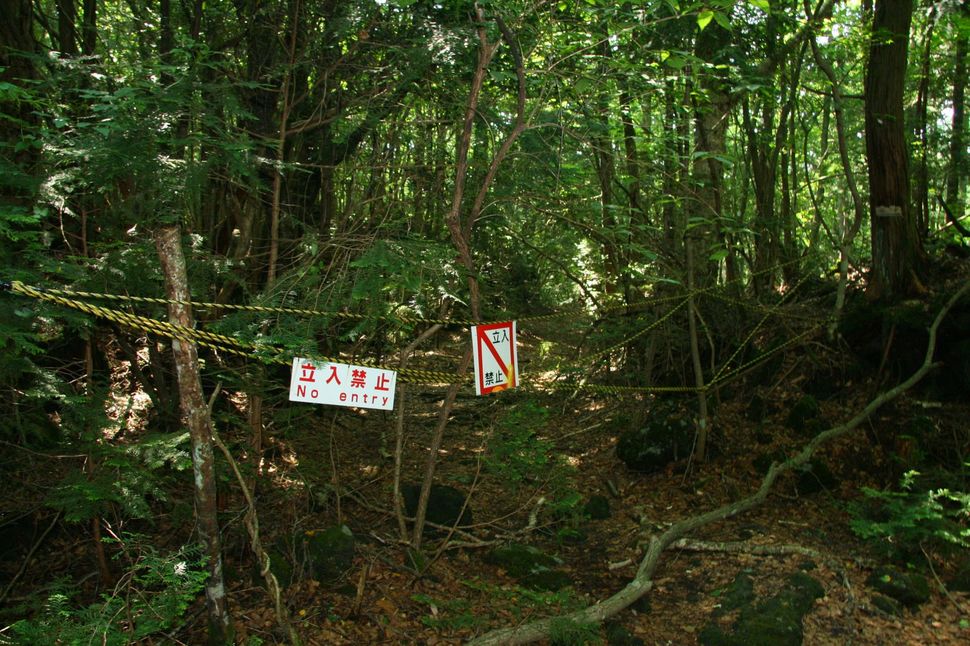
x,y
342,384
496,360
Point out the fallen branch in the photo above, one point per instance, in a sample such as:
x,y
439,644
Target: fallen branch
x,y
642,582
741,547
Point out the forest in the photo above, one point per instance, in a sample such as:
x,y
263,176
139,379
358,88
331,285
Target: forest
x,y
443,321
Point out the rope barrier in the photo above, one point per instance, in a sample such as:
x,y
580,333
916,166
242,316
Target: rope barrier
x,y
211,340
226,344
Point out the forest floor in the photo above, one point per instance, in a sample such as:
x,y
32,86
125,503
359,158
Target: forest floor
x,y
461,595
325,467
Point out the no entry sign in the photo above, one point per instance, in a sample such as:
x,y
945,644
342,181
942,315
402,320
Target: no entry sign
x,y
496,362
342,384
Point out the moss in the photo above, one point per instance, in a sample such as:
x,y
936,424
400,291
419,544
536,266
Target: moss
x,y
775,622
521,560
664,439
548,580
815,476
598,507
738,594
887,605
908,588
330,552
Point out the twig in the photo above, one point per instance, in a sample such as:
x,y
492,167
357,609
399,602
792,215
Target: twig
x,y
361,585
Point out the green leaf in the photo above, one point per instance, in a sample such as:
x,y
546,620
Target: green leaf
x,y
675,62
704,18
764,5
722,20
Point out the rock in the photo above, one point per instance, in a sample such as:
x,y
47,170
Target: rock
x,y
546,580
519,560
530,566
887,605
815,476
329,552
597,507
958,361
279,565
775,622
618,635
444,504
739,593
764,461
642,605
805,416
908,588
651,447
960,578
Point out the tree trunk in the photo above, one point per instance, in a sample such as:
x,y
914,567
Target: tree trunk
x,y
921,182
89,28
67,27
897,252
196,413
954,176
712,109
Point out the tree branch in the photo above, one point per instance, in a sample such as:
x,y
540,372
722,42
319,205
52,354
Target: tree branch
x,y
642,583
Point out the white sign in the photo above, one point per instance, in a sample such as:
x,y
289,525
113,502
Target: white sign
x,y
496,362
342,384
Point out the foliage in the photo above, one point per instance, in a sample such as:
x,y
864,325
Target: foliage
x,y
902,523
129,476
516,452
520,601
448,614
151,598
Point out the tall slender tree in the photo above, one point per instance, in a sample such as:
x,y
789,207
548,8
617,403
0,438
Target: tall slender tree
x,y
897,252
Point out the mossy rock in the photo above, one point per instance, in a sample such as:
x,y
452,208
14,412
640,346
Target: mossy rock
x,y
597,507
642,605
739,593
546,580
530,566
908,588
805,416
329,552
763,462
652,447
887,605
619,635
444,504
957,363
279,565
775,622
520,560
815,476
960,579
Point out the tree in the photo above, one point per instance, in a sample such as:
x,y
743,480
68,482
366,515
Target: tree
x,y
897,251
194,410
958,153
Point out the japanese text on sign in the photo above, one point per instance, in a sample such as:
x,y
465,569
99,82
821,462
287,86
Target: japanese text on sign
x,y
342,384
496,362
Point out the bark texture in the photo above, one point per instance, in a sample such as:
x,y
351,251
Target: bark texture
x,y
195,411
897,253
